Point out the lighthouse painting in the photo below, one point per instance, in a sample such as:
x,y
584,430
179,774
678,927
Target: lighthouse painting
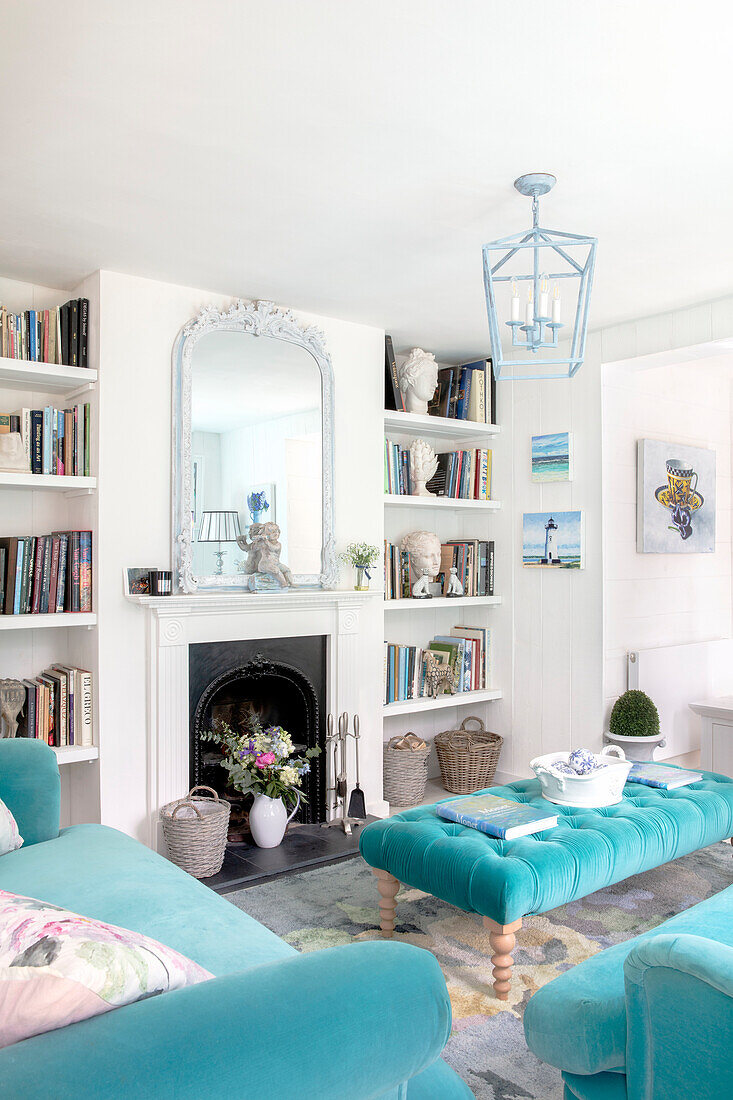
x,y
553,540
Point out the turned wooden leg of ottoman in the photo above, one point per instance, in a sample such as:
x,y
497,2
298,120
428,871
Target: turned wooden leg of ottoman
x,y
503,941
388,887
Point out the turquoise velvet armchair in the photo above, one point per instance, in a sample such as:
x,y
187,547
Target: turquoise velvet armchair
x,y
366,1021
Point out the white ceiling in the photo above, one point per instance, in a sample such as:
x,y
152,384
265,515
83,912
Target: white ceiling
x,y
350,157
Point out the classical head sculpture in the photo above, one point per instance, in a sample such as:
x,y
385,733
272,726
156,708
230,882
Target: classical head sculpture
x,y
418,377
424,549
423,464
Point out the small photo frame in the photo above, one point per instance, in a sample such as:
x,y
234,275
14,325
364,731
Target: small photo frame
x,y
137,581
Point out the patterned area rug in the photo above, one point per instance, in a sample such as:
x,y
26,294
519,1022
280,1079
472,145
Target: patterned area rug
x,y
337,904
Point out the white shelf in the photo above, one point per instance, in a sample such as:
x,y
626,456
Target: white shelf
x,y
40,622
17,374
447,503
59,483
76,754
441,601
439,427
460,699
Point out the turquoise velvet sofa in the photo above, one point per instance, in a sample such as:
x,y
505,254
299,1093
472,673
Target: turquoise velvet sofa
x,y
648,1019
355,1022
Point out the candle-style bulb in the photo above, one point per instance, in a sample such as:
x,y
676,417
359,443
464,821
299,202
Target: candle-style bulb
x,y
544,302
556,304
515,301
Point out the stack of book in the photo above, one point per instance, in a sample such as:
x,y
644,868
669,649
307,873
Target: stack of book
x,y
46,574
466,649
59,707
47,335
56,441
461,475
464,392
473,560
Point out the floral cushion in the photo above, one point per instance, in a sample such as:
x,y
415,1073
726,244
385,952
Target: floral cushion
x,y
10,838
57,968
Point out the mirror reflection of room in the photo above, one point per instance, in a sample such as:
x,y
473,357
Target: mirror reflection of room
x,y
256,418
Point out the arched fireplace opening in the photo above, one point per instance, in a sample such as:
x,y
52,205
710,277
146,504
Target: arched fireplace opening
x,y
282,682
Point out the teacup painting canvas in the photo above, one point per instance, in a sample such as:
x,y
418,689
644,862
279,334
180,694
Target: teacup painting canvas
x,y
553,540
552,457
675,506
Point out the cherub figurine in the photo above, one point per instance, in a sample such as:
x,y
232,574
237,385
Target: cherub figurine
x,y
263,548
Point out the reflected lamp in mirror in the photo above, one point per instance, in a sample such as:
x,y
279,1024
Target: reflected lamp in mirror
x,y
219,527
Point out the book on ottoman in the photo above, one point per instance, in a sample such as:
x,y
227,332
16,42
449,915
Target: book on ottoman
x,y
499,817
664,776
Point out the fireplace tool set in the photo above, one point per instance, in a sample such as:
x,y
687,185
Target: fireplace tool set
x,y
355,812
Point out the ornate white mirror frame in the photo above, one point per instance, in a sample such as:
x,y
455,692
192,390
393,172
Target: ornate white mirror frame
x,y
258,319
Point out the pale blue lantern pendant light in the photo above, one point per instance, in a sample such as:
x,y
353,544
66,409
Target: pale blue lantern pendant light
x,y
538,286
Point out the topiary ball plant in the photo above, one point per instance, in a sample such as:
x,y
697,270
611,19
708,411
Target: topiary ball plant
x,y
634,715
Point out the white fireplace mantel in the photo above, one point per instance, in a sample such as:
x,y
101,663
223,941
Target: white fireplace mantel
x,y
176,622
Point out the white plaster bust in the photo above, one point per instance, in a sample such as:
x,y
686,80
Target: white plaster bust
x,y
423,464
418,377
424,550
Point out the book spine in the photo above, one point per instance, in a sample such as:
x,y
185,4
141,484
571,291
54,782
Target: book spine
x,y
61,582
394,398
18,576
37,575
87,441
74,333
47,440
75,570
490,588
30,720
83,326
46,575
55,548
85,571
87,709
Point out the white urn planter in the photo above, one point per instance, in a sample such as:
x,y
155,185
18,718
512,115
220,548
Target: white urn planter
x,y
268,820
637,748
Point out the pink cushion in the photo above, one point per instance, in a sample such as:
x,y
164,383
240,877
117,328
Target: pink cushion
x,y
57,967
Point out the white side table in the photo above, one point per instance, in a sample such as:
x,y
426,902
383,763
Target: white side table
x,y
716,745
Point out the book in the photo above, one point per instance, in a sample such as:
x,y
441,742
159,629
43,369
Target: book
x,y
664,776
393,396
499,817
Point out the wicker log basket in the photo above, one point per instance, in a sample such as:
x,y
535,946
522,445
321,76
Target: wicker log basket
x,y
405,770
468,758
195,830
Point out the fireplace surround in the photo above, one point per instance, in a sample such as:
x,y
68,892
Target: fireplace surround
x,y
348,622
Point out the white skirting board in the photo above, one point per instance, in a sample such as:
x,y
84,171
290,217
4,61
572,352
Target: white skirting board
x,y
675,676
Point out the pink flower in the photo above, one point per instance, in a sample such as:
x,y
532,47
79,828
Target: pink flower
x,y
265,759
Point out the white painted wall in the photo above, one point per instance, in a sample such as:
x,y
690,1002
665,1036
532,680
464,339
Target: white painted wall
x,y
662,599
140,321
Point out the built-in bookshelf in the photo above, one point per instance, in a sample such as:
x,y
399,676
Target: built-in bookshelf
x,y
34,505
414,622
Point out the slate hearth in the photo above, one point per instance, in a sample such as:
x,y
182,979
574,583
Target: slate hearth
x,y
304,847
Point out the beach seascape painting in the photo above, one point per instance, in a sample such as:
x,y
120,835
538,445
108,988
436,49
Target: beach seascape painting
x,y
552,457
553,540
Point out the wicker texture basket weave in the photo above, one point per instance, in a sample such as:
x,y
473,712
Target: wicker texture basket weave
x,y
195,830
468,758
405,770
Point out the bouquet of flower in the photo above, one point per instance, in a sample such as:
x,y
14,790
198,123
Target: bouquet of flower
x,y
361,555
261,761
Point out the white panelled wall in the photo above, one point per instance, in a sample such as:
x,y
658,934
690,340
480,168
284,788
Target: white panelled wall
x,y
663,599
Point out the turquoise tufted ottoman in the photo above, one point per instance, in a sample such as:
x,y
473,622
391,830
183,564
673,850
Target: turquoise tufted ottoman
x,y
506,880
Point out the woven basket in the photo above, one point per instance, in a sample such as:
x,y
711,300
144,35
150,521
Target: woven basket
x,y
405,770
468,758
195,830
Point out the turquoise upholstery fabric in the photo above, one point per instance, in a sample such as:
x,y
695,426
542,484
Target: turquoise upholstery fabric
x,y
578,1021
601,1086
351,1021
589,849
272,1023
30,787
107,875
679,996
